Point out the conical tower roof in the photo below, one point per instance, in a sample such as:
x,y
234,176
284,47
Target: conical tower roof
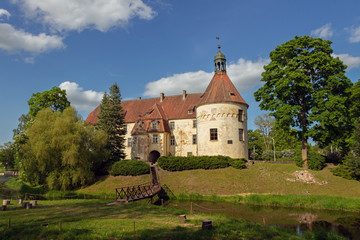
x,y
221,89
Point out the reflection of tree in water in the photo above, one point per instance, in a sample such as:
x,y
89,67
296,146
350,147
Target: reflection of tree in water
x,y
349,226
7,193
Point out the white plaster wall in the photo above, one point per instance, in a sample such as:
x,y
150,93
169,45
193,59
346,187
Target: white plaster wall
x,y
127,151
224,117
183,133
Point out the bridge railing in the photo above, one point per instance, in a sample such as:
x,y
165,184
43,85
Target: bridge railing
x,y
137,192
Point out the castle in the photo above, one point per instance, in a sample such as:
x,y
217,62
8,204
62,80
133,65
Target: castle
x,y
209,123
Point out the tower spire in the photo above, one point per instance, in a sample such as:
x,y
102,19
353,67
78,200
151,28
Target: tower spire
x,y
219,60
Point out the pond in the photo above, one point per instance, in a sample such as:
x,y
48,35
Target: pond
x,y
296,219
6,193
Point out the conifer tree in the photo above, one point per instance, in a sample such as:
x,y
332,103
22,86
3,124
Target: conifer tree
x,y
111,120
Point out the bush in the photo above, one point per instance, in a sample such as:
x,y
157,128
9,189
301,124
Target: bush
x,y
350,169
288,153
315,161
130,168
176,163
238,163
334,157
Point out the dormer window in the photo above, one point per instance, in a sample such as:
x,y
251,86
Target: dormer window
x,y
140,123
232,94
191,110
154,124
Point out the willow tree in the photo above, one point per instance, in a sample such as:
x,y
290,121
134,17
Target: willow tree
x,y
305,89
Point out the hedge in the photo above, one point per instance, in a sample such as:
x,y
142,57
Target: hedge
x,y
176,163
130,168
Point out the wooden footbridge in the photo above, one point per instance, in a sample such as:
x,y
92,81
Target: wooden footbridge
x,y
138,192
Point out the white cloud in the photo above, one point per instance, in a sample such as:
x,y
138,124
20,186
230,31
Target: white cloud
x,y
3,12
12,39
354,35
244,74
80,99
323,32
85,14
350,61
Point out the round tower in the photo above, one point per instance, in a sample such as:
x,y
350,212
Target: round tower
x,y
222,116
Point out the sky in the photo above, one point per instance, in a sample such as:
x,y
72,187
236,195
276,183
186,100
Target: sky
x,y
153,46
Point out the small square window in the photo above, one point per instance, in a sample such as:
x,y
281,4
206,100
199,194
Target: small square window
x,y
230,142
194,123
189,153
129,142
213,134
172,140
155,138
172,125
154,124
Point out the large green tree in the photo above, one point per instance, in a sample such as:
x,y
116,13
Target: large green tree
x,y
111,120
54,98
61,151
305,88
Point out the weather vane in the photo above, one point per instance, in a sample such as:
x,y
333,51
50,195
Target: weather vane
x,y
218,38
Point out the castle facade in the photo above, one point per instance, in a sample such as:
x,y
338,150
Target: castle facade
x,y
209,123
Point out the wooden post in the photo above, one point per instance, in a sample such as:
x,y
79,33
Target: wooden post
x,y
264,222
182,218
191,208
60,226
162,202
9,223
206,224
84,196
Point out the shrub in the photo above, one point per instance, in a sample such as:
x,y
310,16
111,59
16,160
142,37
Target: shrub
x,y
334,157
238,163
316,161
130,168
176,163
288,153
350,169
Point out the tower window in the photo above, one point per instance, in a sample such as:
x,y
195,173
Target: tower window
x,y
230,142
194,123
241,134
134,140
240,115
213,134
172,125
129,142
155,138
194,139
172,140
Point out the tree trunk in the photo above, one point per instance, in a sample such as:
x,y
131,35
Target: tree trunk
x,y
304,152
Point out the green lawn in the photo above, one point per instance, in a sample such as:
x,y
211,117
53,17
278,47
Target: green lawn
x,y
259,178
93,219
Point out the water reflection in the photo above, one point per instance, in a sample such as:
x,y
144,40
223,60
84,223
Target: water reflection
x,y
297,219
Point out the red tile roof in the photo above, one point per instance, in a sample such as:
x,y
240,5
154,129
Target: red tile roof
x,y
221,89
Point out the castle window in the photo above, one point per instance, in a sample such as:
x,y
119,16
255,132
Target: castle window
x,y
241,134
172,125
189,153
172,140
230,142
194,139
240,115
194,123
154,124
134,140
129,142
232,94
125,129
155,138
213,134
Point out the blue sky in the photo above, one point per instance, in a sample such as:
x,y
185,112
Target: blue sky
x,y
148,47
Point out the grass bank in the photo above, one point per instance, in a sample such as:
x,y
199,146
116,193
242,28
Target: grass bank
x,y
93,219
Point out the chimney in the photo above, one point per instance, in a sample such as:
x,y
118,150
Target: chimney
x,y
184,94
139,98
161,97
